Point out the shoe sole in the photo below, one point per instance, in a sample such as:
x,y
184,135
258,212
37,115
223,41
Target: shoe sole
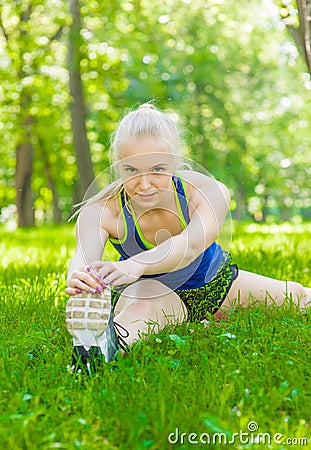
x,y
87,316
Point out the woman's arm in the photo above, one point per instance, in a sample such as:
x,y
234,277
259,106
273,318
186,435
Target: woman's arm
x,y
209,203
90,241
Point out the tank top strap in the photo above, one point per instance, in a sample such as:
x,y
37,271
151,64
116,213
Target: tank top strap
x,y
180,190
133,243
125,211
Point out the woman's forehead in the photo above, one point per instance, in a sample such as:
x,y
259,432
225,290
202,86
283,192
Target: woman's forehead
x,y
149,159
144,152
142,146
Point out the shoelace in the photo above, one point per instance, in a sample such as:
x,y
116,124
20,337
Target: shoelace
x,y
125,347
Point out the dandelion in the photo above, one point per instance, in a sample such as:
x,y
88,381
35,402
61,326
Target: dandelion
x,y
70,369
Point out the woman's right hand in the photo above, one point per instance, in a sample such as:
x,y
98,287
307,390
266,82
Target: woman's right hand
x,y
83,279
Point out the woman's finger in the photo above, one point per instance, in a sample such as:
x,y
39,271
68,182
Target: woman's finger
x,y
78,286
85,282
119,277
105,271
72,291
88,278
123,279
97,264
113,276
91,271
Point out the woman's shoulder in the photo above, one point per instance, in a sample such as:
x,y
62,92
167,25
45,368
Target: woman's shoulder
x,y
101,206
101,214
204,190
196,181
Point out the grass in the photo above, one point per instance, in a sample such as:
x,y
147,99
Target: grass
x,y
254,367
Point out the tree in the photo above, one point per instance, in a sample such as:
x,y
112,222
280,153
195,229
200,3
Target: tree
x,y
23,59
226,74
24,147
300,32
77,106
218,66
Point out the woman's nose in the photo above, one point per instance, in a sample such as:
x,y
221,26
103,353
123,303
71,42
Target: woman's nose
x,y
145,181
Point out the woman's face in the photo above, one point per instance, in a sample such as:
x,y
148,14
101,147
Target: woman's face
x,y
146,170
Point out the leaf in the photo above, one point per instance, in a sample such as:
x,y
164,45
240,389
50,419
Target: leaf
x,y
228,335
178,340
295,392
214,425
284,386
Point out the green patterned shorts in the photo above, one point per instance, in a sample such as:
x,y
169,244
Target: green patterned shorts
x,y
203,300
209,298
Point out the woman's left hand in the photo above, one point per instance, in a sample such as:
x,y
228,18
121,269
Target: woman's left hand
x,y
120,272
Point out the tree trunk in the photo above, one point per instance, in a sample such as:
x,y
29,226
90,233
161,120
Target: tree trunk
x,y
302,35
24,205
24,149
77,107
240,213
304,9
57,215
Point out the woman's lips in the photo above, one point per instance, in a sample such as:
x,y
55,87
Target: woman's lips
x,y
145,196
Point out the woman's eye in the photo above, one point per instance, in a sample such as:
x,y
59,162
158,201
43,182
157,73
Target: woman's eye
x,y
130,170
158,169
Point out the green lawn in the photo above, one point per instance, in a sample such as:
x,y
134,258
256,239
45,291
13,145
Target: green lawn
x,y
250,371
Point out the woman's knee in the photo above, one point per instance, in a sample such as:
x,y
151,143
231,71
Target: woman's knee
x,y
148,290
296,290
143,308
151,298
139,305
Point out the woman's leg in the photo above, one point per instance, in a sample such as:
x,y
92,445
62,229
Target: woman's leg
x,y
148,305
250,287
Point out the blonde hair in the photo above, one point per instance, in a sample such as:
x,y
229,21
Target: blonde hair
x,y
146,121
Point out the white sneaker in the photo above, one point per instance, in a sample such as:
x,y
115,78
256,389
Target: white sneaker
x,y
89,320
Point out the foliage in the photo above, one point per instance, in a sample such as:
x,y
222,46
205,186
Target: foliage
x,y
250,368
231,76
296,16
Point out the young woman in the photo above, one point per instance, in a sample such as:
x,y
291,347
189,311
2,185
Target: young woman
x,y
164,223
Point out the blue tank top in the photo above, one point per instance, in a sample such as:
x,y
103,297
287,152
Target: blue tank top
x,y
197,273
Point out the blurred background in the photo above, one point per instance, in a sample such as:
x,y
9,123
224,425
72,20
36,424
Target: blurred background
x,y
235,75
